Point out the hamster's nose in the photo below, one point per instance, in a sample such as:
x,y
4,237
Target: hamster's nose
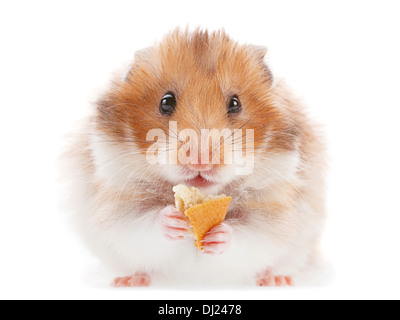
x,y
200,163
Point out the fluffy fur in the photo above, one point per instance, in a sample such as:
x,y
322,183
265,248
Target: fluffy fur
x,y
277,212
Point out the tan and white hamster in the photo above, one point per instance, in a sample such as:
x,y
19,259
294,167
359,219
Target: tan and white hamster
x,y
123,205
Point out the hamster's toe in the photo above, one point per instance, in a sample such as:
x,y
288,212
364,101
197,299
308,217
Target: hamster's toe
x,y
267,279
139,279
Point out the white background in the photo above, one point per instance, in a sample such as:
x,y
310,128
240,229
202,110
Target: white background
x,y
342,57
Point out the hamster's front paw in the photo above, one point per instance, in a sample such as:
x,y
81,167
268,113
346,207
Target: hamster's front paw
x,y
174,224
218,239
267,279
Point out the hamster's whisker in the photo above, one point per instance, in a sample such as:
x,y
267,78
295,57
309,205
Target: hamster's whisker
x,y
123,155
121,189
285,178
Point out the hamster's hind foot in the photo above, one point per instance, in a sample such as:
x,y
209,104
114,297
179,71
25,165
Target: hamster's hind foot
x,y
267,279
139,279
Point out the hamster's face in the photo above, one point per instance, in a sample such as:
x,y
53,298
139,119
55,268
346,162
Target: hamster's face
x,y
186,85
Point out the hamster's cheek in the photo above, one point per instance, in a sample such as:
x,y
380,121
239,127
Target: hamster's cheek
x,y
224,175
172,173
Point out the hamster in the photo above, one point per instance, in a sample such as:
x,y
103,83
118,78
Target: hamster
x,y
123,205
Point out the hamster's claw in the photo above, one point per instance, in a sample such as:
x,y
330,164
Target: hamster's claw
x,y
267,279
139,279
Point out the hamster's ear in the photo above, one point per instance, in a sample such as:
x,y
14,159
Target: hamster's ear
x,y
143,54
140,55
260,53
145,57
127,73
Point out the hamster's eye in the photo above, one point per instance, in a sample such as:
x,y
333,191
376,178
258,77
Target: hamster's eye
x,y
168,104
234,105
